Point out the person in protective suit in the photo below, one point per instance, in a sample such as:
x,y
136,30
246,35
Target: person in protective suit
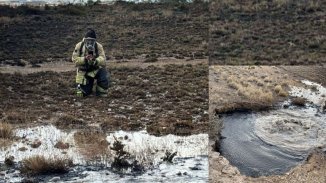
x,y
89,58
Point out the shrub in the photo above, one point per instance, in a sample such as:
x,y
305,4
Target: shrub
x,y
298,101
39,165
6,131
280,91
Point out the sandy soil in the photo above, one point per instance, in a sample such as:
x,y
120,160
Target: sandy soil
x,y
228,87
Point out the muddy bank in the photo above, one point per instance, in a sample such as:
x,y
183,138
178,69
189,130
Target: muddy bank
x,y
256,88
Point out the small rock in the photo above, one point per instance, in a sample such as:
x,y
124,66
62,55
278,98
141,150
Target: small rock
x,y
9,161
36,144
10,171
61,145
179,173
22,149
286,106
195,168
78,104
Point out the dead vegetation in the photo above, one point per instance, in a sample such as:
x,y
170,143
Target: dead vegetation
x,y
69,122
6,131
124,160
280,91
267,32
40,165
138,97
121,160
127,30
93,146
299,101
246,88
6,134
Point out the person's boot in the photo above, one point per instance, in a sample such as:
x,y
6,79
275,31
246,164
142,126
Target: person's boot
x,y
101,92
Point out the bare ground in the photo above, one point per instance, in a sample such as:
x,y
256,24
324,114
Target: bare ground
x,y
127,30
163,98
229,88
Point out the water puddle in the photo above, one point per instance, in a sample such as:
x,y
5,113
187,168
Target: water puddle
x,y
273,142
190,163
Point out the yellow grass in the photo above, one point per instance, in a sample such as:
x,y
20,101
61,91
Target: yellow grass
x,y
6,131
280,91
93,146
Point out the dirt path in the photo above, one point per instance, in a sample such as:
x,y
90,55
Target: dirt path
x,y
64,66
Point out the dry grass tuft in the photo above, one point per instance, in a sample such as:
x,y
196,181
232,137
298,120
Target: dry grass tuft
x,y
39,165
69,122
254,93
280,91
298,101
93,146
6,131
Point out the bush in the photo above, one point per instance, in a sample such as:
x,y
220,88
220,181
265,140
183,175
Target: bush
x,y
39,165
298,101
6,131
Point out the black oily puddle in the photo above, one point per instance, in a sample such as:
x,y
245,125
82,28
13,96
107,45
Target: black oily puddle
x,y
252,156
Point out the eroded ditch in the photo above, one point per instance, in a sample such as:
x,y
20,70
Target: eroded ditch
x,y
272,142
189,164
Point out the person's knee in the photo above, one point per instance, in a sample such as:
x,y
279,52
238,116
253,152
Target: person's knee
x,y
102,79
